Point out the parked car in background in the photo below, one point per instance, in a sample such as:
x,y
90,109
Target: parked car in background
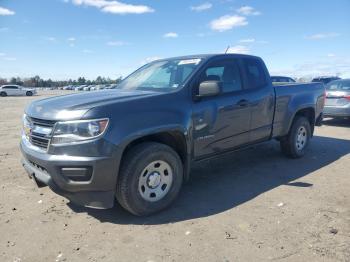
x,y
338,98
112,86
282,79
100,87
16,90
79,88
87,88
137,143
325,79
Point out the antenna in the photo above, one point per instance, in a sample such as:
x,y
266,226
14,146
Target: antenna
x,y
228,47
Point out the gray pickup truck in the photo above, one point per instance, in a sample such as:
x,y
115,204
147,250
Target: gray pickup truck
x,y
136,144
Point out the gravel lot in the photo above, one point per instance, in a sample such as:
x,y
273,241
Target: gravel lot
x,y
253,205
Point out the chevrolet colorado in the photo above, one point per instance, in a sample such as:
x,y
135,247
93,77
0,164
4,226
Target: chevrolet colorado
x,y
137,143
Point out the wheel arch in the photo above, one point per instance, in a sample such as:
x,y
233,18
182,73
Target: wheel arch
x,y
309,114
175,139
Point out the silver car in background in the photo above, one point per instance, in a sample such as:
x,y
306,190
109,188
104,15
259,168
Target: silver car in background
x,y
337,99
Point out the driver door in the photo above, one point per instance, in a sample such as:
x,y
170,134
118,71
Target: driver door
x,y
221,122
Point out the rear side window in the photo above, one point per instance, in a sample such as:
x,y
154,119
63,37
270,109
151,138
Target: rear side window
x,y
255,73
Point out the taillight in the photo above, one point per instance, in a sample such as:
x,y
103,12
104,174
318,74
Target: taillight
x,y
347,97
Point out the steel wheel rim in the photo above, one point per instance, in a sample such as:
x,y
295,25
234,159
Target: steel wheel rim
x,y
301,138
155,181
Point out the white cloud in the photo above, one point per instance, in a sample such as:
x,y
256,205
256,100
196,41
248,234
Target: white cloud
x,y
71,41
331,55
171,35
238,49
10,58
326,67
202,7
248,40
4,29
322,36
115,7
149,60
5,11
116,43
87,51
248,10
50,38
4,56
228,22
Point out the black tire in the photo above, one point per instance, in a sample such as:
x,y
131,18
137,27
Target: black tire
x,y
3,94
137,159
290,145
29,93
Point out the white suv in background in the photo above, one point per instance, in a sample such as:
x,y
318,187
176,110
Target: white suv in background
x,y
16,90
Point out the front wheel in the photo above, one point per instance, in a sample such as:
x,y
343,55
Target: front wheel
x,y
295,143
150,178
29,93
3,94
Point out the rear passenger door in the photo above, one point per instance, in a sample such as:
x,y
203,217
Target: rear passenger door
x,y
258,85
221,122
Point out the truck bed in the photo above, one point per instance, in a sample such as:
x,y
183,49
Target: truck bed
x,y
289,97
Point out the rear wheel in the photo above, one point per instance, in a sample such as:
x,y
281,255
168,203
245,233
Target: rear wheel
x,y
150,178
295,143
3,94
29,93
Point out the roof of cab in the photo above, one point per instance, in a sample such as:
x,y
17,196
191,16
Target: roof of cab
x,y
206,56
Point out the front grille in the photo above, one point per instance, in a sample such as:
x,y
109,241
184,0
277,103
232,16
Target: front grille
x,y
42,122
37,138
39,142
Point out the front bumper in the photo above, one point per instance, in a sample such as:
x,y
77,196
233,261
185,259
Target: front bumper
x,y
97,190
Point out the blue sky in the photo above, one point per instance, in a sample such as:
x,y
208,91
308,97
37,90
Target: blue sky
x,y
64,39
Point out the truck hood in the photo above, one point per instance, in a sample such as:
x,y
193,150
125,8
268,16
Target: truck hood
x,y
74,106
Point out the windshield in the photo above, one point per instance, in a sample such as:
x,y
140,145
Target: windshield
x,y
165,75
343,85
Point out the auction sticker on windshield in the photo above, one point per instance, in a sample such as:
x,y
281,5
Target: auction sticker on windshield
x,y
195,61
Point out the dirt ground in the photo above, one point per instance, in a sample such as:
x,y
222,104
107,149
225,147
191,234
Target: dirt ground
x,y
253,205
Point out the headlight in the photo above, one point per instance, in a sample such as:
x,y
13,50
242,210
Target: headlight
x,y
78,131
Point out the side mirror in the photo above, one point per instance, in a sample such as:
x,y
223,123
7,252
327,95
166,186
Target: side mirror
x,y
209,88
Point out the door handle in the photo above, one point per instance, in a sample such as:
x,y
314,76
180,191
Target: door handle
x,y
243,103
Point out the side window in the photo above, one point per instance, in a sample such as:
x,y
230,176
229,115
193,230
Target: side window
x,y
225,71
255,73
215,73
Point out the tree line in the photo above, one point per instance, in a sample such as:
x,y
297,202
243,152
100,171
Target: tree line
x,y
37,81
